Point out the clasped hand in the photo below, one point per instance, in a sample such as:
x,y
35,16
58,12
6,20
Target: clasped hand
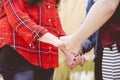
x,y
73,52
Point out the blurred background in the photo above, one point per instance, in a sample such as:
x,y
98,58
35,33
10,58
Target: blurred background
x,y
72,13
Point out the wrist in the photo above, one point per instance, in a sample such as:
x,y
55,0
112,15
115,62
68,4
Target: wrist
x,y
76,39
49,38
58,43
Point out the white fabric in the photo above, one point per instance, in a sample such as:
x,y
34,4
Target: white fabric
x,y
111,63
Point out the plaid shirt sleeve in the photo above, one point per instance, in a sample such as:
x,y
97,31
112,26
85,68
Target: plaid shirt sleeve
x,y
0,6
21,22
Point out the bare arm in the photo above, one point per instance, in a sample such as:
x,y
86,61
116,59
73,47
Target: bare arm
x,y
51,39
100,12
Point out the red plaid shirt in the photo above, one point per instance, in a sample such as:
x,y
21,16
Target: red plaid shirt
x,y
0,6
21,26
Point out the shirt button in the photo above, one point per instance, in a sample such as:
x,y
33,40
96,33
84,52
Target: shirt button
x,y
49,20
49,7
31,46
49,48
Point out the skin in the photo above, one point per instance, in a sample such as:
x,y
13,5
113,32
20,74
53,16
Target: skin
x,y
51,39
100,12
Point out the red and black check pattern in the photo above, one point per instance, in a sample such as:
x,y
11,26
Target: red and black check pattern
x,y
21,26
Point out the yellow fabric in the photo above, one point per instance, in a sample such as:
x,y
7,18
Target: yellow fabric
x,y
72,13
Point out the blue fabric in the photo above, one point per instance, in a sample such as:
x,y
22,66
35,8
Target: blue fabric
x,y
91,42
18,73
15,67
26,73
89,5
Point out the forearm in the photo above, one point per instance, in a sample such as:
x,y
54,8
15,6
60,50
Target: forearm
x,y
101,11
51,39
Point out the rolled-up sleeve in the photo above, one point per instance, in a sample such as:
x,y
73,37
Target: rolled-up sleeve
x,y
21,22
87,45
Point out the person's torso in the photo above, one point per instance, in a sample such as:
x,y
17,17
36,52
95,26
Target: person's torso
x,y
43,54
111,29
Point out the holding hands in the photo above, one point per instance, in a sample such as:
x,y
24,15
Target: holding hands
x,y
70,47
71,44
72,60
72,51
